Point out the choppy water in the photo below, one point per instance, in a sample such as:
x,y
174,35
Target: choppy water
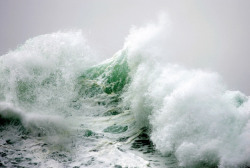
x,y
62,106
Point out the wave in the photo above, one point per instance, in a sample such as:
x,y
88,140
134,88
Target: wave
x,y
56,81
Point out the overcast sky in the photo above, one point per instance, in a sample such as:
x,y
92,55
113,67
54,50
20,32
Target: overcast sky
x,y
207,34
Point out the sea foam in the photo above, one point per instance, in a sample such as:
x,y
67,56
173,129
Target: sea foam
x,y
55,84
191,113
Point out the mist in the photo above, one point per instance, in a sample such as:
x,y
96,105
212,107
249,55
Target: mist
x,y
211,35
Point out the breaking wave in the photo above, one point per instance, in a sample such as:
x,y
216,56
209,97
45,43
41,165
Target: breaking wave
x,y
58,95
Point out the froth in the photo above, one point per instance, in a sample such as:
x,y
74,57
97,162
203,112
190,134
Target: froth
x,y
190,112
38,80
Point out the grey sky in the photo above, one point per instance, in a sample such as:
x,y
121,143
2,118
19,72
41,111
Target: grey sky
x,y
207,34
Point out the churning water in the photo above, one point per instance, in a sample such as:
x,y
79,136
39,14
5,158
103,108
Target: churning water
x,y
62,106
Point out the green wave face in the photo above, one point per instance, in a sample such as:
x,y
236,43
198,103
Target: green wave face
x,y
60,105
107,79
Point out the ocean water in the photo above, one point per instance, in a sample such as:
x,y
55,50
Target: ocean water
x,y
62,105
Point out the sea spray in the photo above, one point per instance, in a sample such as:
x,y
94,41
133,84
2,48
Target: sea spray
x,y
61,105
190,112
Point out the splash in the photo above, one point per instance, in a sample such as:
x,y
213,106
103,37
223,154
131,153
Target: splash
x,y
76,111
191,113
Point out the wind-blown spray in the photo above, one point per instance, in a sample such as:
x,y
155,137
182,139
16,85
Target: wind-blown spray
x,y
60,107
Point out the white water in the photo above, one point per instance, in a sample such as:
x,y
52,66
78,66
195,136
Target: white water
x,y
60,120
191,112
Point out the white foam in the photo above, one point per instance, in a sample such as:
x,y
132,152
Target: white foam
x,y
191,112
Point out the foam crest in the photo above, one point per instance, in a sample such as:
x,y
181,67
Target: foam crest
x,y
190,112
52,84
143,42
38,81
38,71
